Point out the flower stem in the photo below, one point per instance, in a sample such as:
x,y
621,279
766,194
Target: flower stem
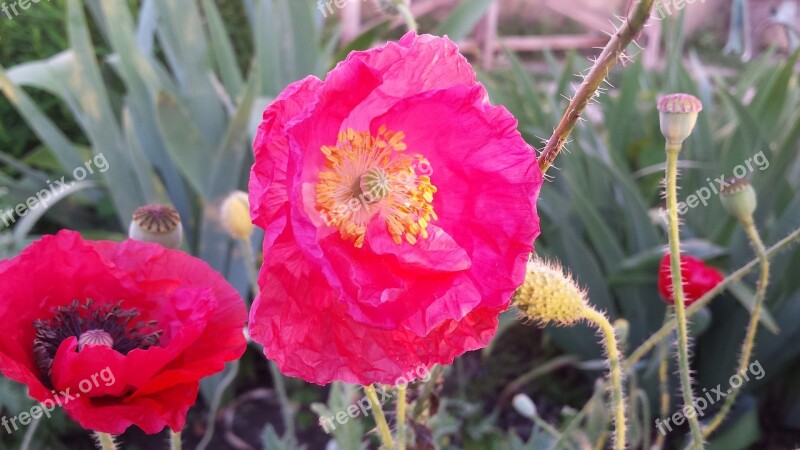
x,y
677,287
402,404
175,442
405,11
277,377
632,26
427,391
752,327
105,441
668,328
283,398
251,263
28,438
610,341
380,419
663,386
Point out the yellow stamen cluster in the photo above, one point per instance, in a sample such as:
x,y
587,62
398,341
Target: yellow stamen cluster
x,y
371,175
548,295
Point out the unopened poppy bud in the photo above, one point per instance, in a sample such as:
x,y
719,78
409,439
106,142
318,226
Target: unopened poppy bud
x,y
678,116
524,405
739,199
235,215
160,224
548,295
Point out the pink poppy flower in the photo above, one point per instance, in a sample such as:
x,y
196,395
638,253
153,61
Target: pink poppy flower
x,y
118,334
399,210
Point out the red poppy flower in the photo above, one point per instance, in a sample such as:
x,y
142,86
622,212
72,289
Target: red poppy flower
x,y
118,334
698,279
400,210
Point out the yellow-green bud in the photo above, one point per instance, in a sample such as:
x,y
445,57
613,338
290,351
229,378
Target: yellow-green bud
x,y
678,116
235,215
160,224
548,295
739,199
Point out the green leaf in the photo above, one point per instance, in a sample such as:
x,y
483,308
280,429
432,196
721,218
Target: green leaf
x,y
463,19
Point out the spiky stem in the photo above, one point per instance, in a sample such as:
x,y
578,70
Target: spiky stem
x,y
677,291
752,327
402,405
380,419
668,328
617,398
105,441
632,26
175,440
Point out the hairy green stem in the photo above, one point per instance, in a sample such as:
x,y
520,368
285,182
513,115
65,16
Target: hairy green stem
x,y
752,327
175,440
677,291
631,28
380,419
614,356
405,11
106,441
668,328
402,406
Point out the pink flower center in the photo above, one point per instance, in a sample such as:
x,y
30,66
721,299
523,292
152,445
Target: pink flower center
x,y
372,175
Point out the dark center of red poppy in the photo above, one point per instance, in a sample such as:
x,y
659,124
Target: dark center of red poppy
x,y
107,325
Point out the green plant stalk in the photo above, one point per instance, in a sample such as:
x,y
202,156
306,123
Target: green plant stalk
x,y
663,386
402,406
617,398
105,441
752,327
175,440
538,371
277,377
380,419
677,287
668,328
549,429
216,402
28,438
576,420
427,390
631,28
405,11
